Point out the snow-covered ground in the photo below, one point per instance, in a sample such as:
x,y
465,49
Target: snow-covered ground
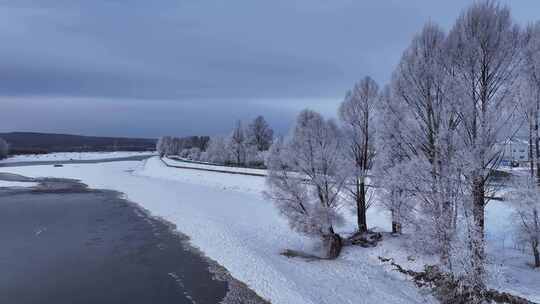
x,y
66,156
512,266
227,218
16,184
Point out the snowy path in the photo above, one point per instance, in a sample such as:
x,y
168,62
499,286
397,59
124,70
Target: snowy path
x,y
172,163
226,218
178,163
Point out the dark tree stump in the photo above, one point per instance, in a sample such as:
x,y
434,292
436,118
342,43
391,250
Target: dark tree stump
x,y
332,245
365,239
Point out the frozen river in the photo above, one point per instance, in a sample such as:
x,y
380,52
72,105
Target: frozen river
x,y
64,243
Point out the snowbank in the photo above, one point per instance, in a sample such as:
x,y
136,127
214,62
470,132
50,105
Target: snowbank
x,y
66,156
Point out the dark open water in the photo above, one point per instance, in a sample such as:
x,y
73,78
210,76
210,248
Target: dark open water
x,y
74,245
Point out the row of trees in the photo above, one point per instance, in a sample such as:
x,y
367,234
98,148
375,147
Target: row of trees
x,y
428,142
168,145
527,192
4,149
245,146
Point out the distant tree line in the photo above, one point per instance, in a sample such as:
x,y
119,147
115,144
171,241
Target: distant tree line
x,y
41,143
169,145
245,146
4,149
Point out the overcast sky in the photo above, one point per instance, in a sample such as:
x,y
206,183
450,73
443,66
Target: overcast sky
x,y
179,67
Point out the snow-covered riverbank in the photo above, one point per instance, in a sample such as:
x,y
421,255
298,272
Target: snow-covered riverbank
x,y
67,156
16,184
227,218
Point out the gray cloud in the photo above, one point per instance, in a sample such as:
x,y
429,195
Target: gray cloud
x,y
185,60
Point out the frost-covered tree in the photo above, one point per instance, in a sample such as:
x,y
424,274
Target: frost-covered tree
x,y
176,146
530,98
184,153
526,200
168,145
217,151
159,146
392,161
193,153
4,149
526,192
164,145
484,49
428,116
254,157
304,181
237,144
260,134
357,115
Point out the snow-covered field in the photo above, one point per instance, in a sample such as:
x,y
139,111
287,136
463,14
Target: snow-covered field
x,y
228,219
66,156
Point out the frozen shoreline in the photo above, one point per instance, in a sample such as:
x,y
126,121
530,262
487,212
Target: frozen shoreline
x,y
67,156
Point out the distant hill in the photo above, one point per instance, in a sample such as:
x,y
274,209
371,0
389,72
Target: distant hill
x,y
30,142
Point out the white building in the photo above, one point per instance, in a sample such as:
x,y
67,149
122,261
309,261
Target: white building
x,y
516,151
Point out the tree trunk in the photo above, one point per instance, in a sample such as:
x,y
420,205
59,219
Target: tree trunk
x,y
477,240
361,206
479,204
536,255
396,227
532,155
332,244
447,227
536,139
